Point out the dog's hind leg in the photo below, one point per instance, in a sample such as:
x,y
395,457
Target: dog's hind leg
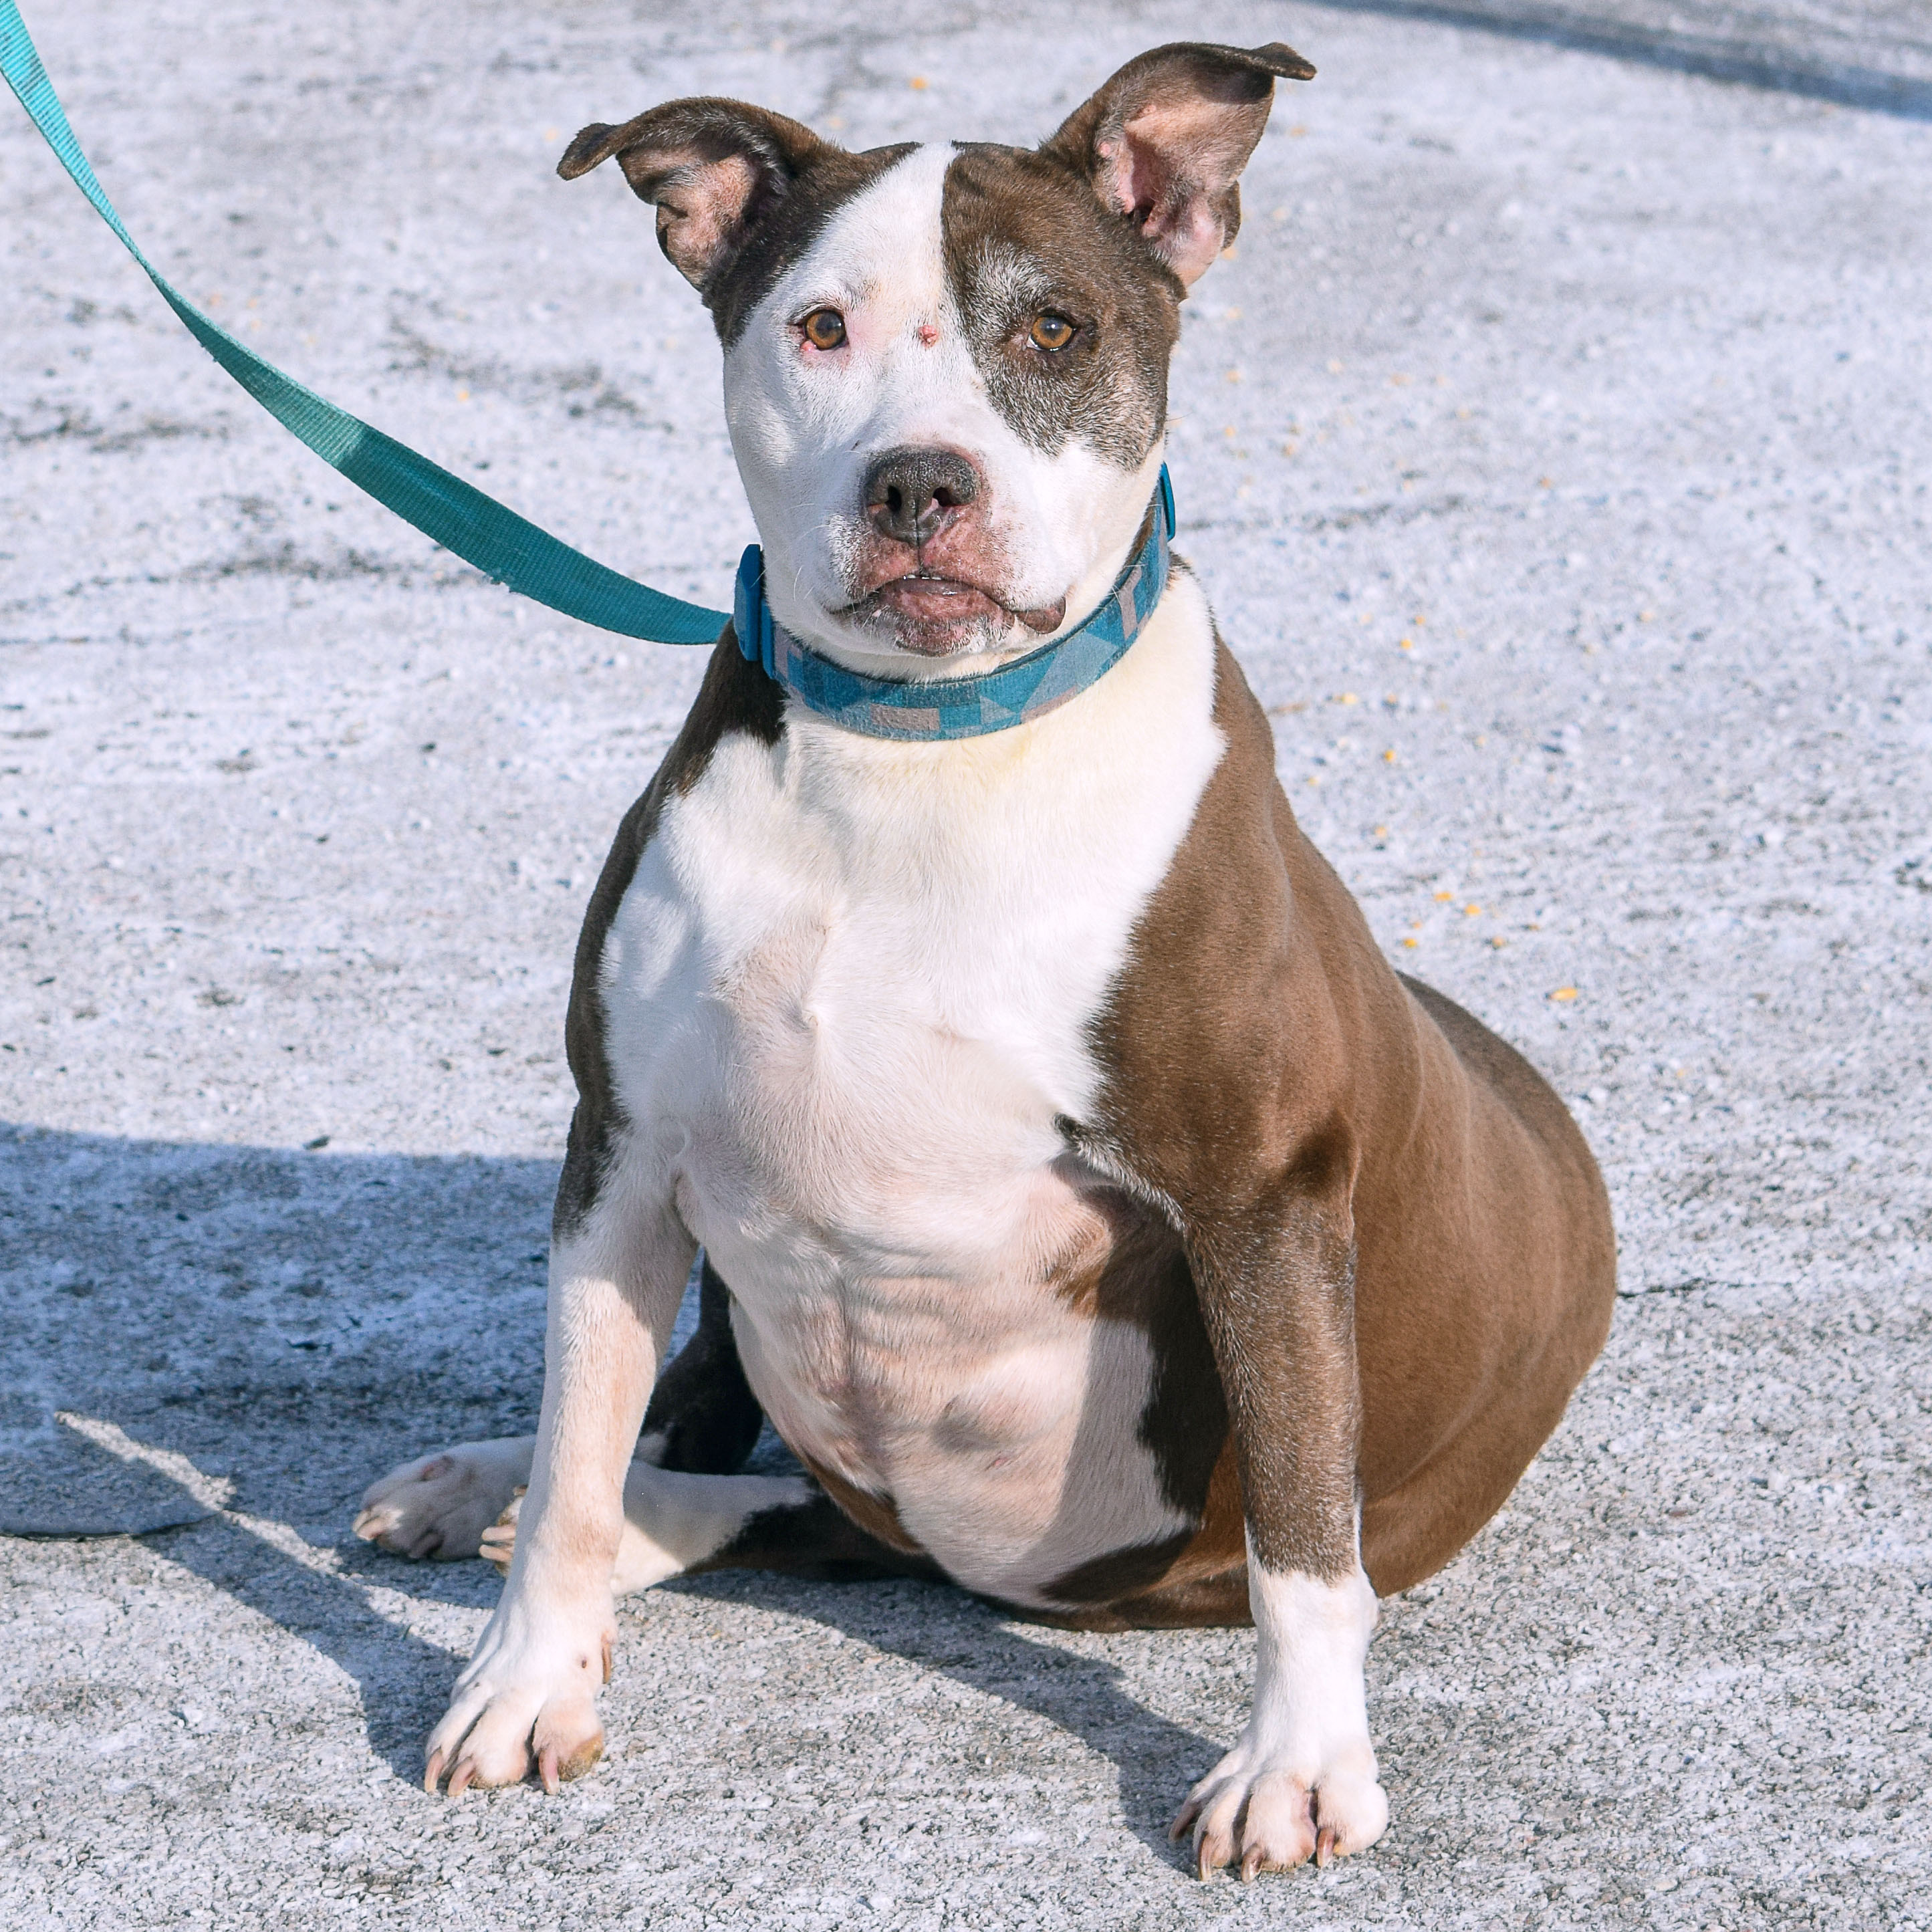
x,y
677,1524
704,1418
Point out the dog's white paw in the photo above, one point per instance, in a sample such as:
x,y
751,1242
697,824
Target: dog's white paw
x,y
499,1540
1300,1783
529,1696
1270,1810
440,1505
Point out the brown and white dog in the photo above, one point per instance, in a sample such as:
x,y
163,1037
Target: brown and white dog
x,y
1098,1217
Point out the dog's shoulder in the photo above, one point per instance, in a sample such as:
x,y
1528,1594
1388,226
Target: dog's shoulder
x,y
1252,988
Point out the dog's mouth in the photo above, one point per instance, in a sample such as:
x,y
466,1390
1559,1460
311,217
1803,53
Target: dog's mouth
x,y
937,615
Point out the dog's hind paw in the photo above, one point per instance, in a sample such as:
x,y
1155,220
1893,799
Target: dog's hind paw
x,y
439,1506
499,1540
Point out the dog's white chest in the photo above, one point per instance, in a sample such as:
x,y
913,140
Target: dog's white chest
x,y
847,998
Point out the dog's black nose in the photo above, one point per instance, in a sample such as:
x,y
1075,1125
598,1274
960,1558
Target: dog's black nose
x,y
911,493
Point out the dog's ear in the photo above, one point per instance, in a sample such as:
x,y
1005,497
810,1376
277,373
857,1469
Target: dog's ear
x,y
714,168
1166,140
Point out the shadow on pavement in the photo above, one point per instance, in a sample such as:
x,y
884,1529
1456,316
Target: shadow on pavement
x,y
955,1635
290,1325
1746,56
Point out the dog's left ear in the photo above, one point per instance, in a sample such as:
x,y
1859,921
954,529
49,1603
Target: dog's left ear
x,y
713,168
1166,140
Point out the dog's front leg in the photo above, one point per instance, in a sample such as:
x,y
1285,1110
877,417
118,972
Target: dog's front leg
x,y
1276,1277
530,1693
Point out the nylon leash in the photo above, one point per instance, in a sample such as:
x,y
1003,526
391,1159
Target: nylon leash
x,y
481,531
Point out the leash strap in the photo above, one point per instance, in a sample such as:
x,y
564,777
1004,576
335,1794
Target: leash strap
x,y
930,710
479,530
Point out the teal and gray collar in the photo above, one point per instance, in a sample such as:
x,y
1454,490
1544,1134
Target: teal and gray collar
x,y
960,707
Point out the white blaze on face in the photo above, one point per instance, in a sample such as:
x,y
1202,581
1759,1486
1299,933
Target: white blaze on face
x,y
807,424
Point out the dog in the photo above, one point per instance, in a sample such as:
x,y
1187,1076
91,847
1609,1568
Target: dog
x,y
1099,1219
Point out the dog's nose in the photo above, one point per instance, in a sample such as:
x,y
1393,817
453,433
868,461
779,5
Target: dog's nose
x,y
911,494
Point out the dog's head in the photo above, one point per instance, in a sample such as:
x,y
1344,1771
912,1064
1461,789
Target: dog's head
x,y
945,366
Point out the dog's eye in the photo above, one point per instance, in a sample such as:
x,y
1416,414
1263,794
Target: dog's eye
x,y
1050,330
824,328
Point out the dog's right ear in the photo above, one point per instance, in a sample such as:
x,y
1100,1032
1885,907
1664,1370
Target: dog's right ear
x,y
715,168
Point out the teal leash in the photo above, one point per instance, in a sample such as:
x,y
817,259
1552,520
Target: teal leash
x,y
514,552
477,528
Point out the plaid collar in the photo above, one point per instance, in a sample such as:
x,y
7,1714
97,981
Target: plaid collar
x,y
960,707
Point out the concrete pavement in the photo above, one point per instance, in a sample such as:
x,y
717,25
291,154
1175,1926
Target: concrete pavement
x,y
1554,452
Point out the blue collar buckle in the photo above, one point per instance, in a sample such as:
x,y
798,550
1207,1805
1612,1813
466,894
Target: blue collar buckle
x,y
930,711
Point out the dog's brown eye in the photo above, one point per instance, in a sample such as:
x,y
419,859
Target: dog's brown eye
x,y
824,328
1052,332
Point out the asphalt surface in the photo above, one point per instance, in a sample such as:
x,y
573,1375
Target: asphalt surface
x,y
1555,453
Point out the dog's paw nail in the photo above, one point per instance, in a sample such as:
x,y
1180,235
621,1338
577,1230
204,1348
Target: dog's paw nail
x,y
546,1769
1325,1844
461,1778
433,1771
1212,1850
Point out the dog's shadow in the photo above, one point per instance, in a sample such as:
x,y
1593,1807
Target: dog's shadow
x,y
402,1680
301,1323
934,1627
948,1632
323,1594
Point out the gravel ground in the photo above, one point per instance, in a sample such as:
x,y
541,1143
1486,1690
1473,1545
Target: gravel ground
x,y
1555,453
